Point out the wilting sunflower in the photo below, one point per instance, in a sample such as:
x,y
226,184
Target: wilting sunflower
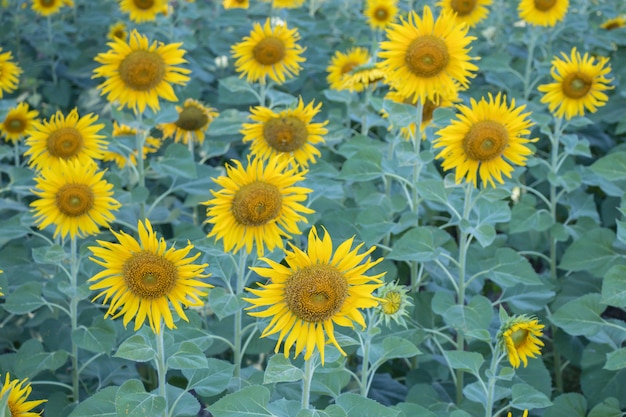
x,y
151,145
314,291
258,204
286,134
65,138
50,7
542,12
9,73
118,31
74,198
422,57
470,12
193,120
380,13
395,303
519,338
144,278
614,23
18,122
269,51
342,64
580,84
236,4
485,139
18,392
143,10
138,73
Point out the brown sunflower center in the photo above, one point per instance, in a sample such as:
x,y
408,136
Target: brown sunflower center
x,y
269,51
143,4
381,14
142,70
65,142
348,67
544,5
74,200
256,204
485,141
463,7
427,56
191,118
613,26
149,275
14,125
119,34
47,3
393,301
519,336
285,134
428,110
576,85
316,293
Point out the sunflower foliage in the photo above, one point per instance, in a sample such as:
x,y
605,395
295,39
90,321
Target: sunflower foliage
x,y
302,208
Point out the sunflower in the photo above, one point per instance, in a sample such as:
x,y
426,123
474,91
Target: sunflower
x,y
314,291
362,77
394,304
380,13
18,392
422,56
518,336
236,4
18,122
143,10
470,12
482,137
145,279
615,23
118,31
258,204
286,134
50,7
151,145
269,51
287,4
342,64
193,120
525,414
9,73
138,73
542,12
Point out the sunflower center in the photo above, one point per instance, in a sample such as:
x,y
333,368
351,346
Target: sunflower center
x,y
142,70
348,67
144,4
519,336
316,293
463,7
119,33
47,3
485,141
285,134
544,5
613,25
191,118
381,14
427,56
149,275
74,200
393,301
257,203
14,125
576,85
65,142
269,51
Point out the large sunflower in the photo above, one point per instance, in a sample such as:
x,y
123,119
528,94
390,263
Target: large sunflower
x,y
579,84
258,204
485,139
9,73
314,291
143,10
379,14
542,12
144,279
18,122
269,51
519,338
18,392
138,73
65,138
342,64
50,7
151,145
470,12
193,120
423,56
286,134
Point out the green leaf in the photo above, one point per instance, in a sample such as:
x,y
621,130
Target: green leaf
x,y
471,318
400,114
186,405
591,252
414,410
432,190
419,244
607,408
614,287
135,348
392,347
248,402
177,162
235,84
526,397
365,165
508,268
223,303
280,369
526,217
611,166
98,338
31,359
568,405
188,356
100,404
355,405
467,361
598,383
580,317
212,380
54,254
285,408
25,299
131,400
616,360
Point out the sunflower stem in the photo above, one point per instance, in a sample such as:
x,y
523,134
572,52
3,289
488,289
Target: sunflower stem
x,y
53,73
529,61
74,316
416,140
140,138
161,367
237,351
365,344
309,370
491,384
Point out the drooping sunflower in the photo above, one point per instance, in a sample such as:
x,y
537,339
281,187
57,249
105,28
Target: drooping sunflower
x,y
65,138
287,134
193,120
258,205
269,51
314,291
379,14
342,63
579,84
519,338
470,12
151,145
144,278
614,23
18,392
18,122
9,73
485,140
423,56
143,10
235,4
542,12
50,7
138,73
118,31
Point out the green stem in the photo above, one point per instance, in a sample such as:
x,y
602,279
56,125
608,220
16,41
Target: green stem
x,y
309,370
52,58
74,316
161,367
416,140
491,384
529,61
237,351
365,342
140,138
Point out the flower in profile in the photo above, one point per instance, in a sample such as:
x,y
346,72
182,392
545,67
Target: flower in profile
x,y
258,204
139,73
16,393
50,7
470,12
542,12
143,10
287,134
519,338
525,414
144,278
614,23
9,73
395,303
18,122
236,4
65,138
423,56
380,13
287,4
341,64
151,145
485,139
74,198
361,77
579,84
193,120
118,31
269,51
314,291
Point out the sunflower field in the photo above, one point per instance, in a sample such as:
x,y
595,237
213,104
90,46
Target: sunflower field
x,y
312,208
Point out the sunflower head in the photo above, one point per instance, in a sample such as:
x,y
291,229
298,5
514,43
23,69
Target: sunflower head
x,y
341,64
395,303
118,31
143,10
18,122
287,4
614,23
151,145
9,73
470,12
542,12
519,338
193,120
380,13
17,392
235,4
49,7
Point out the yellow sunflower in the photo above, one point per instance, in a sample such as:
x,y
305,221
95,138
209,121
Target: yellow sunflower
x,y
342,64
74,198
287,134
519,337
18,392
423,56
269,51
362,77
18,122
144,278
525,414
143,10
379,14
193,120
151,145
9,73
579,84
287,4
485,139
470,12
314,291
236,4
395,303
50,7
615,23
542,12
65,138
118,31
258,204
138,73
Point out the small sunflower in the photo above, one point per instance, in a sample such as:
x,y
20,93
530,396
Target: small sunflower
x,y
485,139
193,120
258,204
235,4
151,145
50,7
269,51
18,122
519,337
361,77
286,134
287,4
138,73
118,31
470,12
18,392
143,10
614,23
9,73
341,64
395,303
542,12
314,291
65,138
144,278
380,13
